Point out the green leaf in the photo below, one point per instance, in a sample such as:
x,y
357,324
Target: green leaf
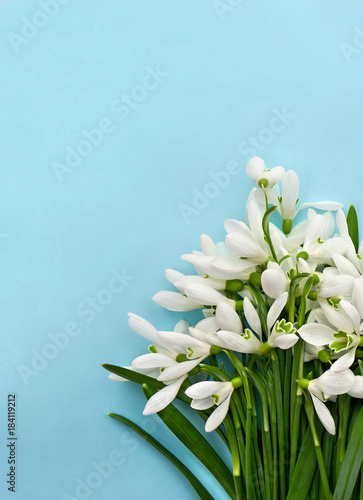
x,y
352,222
139,378
197,485
352,462
185,431
304,470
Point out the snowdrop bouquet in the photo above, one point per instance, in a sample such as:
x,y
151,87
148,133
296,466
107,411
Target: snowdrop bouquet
x,y
273,366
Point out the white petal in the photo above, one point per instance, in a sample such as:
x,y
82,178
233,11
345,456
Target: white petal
x,y
333,383
324,414
275,175
208,325
204,389
207,245
205,295
344,362
218,415
336,318
274,282
316,334
173,276
179,339
239,343
275,309
252,317
182,327
179,369
244,245
322,205
202,404
290,193
345,266
352,313
255,168
255,222
229,267
357,297
342,225
174,301
314,230
335,286
153,361
163,397
286,341
227,318
357,390
235,226
142,327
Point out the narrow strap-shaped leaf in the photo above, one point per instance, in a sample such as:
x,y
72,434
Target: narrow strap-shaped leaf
x,y
304,470
185,431
140,378
352,462
133,376
197,485
352,223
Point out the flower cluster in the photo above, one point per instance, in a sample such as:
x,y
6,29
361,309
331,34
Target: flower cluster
x,y
269,286
281,302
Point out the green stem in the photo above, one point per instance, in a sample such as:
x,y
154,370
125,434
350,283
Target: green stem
x,y
280,422
319,455
235,457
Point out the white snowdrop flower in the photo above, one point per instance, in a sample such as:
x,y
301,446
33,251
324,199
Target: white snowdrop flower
x,y
281,333
328,384
274,280
342,337
196,347
174,301
243,241
207,394
319,243
246,341
263,177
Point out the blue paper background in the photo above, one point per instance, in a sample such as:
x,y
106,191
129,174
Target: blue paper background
x,y
132,204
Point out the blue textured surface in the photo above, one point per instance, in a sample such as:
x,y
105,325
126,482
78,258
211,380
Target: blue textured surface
x,y
177,92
